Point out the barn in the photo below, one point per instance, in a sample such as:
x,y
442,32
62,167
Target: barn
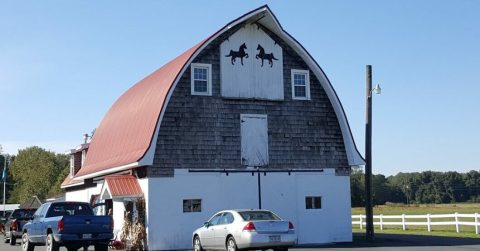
x,y
244,119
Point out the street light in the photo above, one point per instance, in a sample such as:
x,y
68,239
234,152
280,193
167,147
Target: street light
x,y
368,154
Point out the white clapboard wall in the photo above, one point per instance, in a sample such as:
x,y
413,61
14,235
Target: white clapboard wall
x,y
251,80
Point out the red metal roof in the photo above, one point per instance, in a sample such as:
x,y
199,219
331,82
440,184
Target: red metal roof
x,y
123,185
127,129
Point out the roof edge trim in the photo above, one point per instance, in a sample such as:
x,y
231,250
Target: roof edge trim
x,y
107,171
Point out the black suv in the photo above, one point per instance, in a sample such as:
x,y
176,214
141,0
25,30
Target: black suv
x,y
15,222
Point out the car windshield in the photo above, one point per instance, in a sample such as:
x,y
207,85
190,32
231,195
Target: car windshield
x,y
23,213
258,215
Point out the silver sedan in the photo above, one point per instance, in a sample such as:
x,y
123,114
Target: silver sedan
x,y
244,229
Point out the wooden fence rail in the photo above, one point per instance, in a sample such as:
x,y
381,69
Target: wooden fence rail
x,y
456,220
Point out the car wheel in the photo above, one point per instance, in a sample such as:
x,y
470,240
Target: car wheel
x,y
13,240
280,249
51,244
26,244
231,244
197,245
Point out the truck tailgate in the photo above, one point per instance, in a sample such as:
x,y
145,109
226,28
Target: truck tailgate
x,y
87,224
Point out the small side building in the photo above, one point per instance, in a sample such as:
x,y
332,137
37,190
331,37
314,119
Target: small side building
x,y
243,119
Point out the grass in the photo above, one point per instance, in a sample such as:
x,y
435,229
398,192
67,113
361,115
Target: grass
x,y
465,231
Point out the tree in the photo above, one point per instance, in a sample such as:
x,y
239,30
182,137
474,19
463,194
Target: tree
x,y
36,171
357,187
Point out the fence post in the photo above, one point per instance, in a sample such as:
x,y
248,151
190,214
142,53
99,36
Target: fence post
x,y
404,226
381,222
476,224
361,221
456,223
429,227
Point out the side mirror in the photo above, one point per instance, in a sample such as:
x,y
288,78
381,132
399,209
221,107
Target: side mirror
x,y
206,224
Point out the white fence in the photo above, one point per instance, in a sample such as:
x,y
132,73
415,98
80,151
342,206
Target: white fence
x,y
393,220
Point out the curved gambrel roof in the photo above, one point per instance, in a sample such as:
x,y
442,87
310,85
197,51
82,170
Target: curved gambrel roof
x,y
128,133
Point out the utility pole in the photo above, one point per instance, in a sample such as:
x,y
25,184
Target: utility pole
x,y
368,158
4,181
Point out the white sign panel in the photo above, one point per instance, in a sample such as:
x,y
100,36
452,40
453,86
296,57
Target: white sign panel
x,y
251,65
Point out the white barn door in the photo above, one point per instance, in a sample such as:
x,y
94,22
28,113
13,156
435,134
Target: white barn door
x,y
254,134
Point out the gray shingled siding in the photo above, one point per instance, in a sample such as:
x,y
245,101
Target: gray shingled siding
x,y
204,131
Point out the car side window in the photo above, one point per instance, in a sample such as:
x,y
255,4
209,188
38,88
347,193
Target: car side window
x,y
227,218
215,220
44,211
38,212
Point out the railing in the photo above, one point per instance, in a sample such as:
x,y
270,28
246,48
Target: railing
x,y
389,220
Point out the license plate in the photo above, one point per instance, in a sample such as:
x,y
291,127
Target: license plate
x,y
274,238
86,236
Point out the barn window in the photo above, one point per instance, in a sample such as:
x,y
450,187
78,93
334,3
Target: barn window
x,y
300,84
313,202
192,205
201,79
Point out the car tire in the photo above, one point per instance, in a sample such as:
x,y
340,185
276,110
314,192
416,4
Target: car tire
x,y
197,245
280,249
231,244
13,241
51,244
101,247
26,244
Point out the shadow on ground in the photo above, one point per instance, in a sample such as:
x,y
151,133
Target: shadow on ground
x,y
401,240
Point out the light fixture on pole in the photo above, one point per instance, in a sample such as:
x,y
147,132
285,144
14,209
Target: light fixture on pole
x,y
368,154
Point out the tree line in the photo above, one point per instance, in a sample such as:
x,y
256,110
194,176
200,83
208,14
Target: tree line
x,y
426,187
34,171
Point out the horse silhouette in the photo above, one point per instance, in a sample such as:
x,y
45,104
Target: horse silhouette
x,y
238,54
265,56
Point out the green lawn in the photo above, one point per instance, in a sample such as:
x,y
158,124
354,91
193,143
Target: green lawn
x,y
465,231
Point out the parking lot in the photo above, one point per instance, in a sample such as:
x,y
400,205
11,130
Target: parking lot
x,y
387,242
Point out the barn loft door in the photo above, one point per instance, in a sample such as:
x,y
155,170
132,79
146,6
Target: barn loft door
x,y
254,134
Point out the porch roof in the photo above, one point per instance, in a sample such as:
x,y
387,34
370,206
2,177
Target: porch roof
x,y
123,186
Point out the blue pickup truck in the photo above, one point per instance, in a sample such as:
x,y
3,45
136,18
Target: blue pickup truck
x,y
69,224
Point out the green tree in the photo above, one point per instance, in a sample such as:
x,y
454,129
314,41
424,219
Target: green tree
x,y
357,187
36,171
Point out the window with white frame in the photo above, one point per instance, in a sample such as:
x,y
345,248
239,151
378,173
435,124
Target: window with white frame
x,y
201,79
300,84
192,205
313,202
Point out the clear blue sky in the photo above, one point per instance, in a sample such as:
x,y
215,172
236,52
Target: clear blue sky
x,y
64,63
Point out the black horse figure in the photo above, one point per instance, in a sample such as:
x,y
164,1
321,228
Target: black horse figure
x,y
238,54
263,56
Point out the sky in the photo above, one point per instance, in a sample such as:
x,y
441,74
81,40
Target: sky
x,y
64,63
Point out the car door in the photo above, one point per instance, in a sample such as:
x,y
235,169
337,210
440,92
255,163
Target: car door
x,y
35,229
221,230
208,236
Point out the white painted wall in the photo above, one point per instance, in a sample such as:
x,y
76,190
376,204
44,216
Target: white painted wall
x,y
169,228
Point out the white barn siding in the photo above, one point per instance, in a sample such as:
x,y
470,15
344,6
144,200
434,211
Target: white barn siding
x,y
169,228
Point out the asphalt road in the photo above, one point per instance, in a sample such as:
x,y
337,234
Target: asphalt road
x,y
397,242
